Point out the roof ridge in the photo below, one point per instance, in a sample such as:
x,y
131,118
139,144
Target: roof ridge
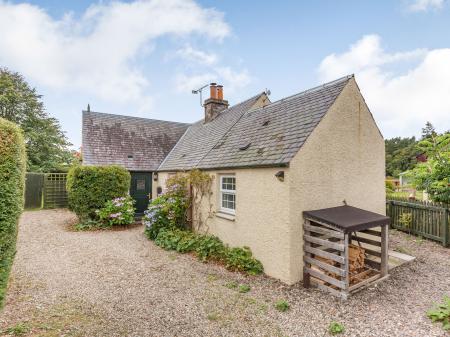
x,y
231,127
318,87
127,116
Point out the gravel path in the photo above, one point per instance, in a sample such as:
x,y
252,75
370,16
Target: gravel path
x,y
118,283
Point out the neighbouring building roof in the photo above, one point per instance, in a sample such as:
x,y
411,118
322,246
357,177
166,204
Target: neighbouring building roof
x,y
201,137
138,144
245,137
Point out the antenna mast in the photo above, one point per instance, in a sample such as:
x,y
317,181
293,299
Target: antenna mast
x,y
199,91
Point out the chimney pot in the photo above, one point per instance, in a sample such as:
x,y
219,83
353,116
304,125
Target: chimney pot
x,y
213,91
220,92
215,104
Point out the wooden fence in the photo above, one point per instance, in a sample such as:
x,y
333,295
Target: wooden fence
x,y
34,183
423,218
55,193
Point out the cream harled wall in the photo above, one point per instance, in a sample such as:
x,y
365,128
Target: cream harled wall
x,y
261,221
342,159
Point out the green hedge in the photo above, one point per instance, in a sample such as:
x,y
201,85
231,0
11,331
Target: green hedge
x,y
89,187
12,182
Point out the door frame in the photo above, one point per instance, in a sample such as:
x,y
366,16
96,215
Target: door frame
x,y
150,190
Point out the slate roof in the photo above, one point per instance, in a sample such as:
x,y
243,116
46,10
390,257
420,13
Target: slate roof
x,y
111,139
201,137
267,136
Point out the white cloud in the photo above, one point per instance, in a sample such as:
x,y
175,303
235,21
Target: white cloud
x,y
402,100
231,80
194,55
424,5
97,52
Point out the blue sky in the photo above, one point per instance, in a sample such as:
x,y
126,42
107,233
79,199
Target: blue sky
x,y
143,58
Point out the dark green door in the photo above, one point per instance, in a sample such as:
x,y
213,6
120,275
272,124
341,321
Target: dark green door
x,y
140,189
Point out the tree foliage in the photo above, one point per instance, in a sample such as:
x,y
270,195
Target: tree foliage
x,y
46,143
433,176
400,155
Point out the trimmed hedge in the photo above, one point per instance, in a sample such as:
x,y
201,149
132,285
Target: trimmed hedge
x,y
12,182
90,187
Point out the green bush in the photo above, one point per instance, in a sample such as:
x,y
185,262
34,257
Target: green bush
x,y
12,180
90,187
117,212
169,210
208,247
176,239
241,259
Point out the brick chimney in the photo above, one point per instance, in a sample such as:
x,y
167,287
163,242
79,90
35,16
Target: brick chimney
x,y
215,104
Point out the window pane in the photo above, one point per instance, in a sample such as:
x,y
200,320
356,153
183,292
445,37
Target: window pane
x,y
229,183
140,184
228,201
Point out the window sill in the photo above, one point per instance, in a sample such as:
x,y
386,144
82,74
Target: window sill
x,y
226,216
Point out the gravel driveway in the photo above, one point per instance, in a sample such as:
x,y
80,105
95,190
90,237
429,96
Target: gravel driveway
x,y
118,283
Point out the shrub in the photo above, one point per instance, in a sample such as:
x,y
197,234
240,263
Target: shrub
x,y
119,211
12,179
90,187
208,247
241,259
168,210
390,187
176,239
155,218
441,313
336,328
282,305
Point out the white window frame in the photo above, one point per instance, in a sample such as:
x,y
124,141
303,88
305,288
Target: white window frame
x,y
224,191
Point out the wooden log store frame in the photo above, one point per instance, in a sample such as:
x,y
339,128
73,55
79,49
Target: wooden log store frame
x,y
328,235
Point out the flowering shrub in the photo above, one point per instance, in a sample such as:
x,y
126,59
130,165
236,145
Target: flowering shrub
x,y
119,211
168,210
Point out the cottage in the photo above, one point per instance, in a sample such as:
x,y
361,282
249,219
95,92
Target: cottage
x,y
138,144
271,161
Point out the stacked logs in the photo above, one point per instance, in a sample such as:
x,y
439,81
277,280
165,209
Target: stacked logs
x,y
356,258
357,268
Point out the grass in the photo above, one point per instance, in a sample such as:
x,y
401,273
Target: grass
x,y
282,305
405,195
19,329
244,288
212,277
336,328
69,318
231,285
213,316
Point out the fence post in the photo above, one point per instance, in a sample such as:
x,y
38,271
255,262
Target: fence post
x,y
446,228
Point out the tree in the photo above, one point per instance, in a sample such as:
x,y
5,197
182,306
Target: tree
x,y
400,155
46,143
433,176
428,131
